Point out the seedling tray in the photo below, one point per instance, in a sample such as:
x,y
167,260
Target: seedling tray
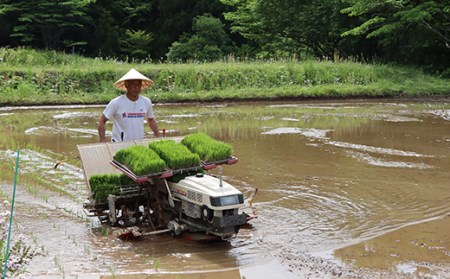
x,y
141,178
169,172
212,164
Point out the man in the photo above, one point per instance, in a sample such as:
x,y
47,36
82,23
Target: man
x,y
129,111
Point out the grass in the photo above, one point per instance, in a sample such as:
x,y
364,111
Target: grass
x,y
48,77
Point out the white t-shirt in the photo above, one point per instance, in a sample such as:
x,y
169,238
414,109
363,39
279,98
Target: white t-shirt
x,y
128,117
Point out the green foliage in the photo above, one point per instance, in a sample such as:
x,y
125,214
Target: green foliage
x,y
171,19
30,57
408,31
207,148
99,28
433,15
137,43
208,43
140,160
46,23
295,27
175,155
364,28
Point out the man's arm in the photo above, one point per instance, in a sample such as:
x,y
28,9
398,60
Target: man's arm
x,y
154,126
101,127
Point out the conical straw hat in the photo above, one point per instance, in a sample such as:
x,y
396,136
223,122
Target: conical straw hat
x,y
133,74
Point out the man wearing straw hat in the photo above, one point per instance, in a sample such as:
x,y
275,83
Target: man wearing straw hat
x,y
129,111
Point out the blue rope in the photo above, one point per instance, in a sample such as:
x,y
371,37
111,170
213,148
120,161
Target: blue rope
x,y
11,218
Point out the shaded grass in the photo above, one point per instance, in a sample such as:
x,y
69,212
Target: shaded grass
x,y
48,77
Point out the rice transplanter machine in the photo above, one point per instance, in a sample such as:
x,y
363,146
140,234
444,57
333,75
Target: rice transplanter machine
x,y
175,201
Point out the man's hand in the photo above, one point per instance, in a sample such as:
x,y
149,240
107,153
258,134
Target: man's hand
x,y
101,128
153,124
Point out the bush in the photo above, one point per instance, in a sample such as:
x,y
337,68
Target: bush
x,y
208,42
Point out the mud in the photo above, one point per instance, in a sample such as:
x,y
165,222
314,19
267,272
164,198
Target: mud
x,y
345,190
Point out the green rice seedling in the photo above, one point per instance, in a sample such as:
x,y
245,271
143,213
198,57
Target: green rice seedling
x,y
157,264
112,270
32,190
207,148
155,261
177,156
140,160
125,180
103,185
87,250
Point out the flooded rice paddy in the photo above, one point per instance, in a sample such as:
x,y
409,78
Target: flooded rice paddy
x,y
345,189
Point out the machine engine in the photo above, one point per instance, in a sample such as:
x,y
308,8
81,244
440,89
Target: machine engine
x,y
206,203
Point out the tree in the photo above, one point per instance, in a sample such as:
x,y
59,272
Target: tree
x,y
137,43
171,19
408,31
119,29
387,17
209,41
292,26
104,33
124,29
45,23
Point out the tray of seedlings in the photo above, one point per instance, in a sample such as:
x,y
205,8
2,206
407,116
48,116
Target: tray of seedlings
x,y
211,152
178,158
103,185
161,159
166,158
140,163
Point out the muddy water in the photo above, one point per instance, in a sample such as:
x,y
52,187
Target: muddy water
x,y
333,178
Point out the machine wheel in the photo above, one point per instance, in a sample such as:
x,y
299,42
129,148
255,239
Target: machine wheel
x,y
207,214
176,229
